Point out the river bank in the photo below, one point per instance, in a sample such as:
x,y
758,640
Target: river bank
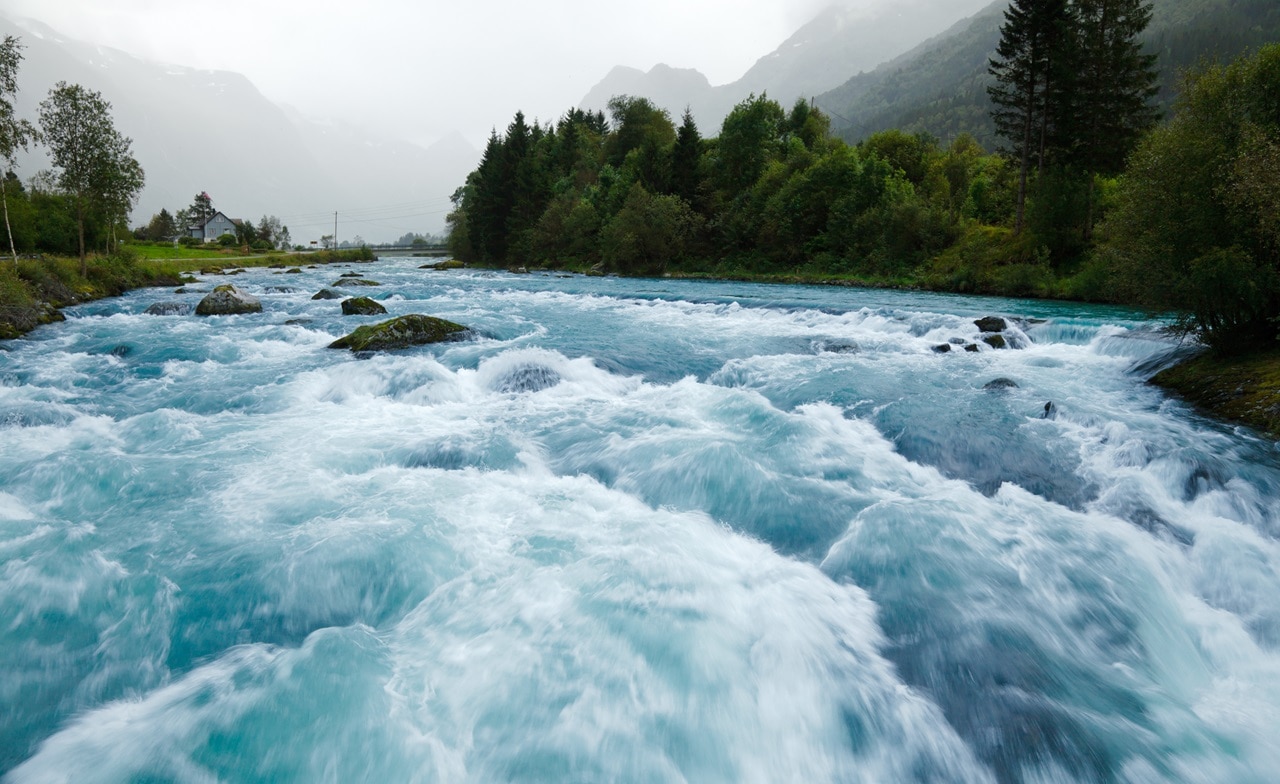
x,y
1243,389
33,291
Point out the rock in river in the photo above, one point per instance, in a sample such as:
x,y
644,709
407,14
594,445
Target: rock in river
x,y
228,300
402,332
361,306
169,309
328,294
356,282
991,324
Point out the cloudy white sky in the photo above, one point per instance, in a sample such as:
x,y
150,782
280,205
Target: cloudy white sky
x,y
432,65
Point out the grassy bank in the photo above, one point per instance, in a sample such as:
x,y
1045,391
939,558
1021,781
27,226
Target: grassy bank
x,y
1244,389
32,291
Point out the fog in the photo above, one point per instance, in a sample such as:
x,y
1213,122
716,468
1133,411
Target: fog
x,y
426,68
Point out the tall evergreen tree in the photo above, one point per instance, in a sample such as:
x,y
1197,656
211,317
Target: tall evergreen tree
x,y
1027,90
685,158
1113,87
1114,82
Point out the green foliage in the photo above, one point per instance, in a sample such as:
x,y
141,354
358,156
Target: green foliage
x,y
1194,228
227,240
93,160
750,137
772,194
648,233
991,260
15,134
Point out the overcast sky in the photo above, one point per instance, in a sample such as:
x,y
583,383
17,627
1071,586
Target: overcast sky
x,y
428,67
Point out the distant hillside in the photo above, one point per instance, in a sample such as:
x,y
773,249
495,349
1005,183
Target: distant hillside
x,y
940,86
213,131
837,43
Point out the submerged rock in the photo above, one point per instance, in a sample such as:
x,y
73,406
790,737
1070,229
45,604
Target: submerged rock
x,y
361,306
228,301
444,265
350,275
972,348
402,332
168,309
991,324
942,348
836,347
995,341
328,294
1001,383
527,378
356,282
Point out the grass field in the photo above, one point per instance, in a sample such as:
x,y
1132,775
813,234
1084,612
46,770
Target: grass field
x,y
180,252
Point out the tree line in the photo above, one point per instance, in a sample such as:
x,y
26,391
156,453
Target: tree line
x,y
1085,199
633,193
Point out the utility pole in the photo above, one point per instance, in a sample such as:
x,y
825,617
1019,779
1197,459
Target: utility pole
x,y
335,229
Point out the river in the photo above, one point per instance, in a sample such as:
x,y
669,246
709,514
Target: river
x,y
633,531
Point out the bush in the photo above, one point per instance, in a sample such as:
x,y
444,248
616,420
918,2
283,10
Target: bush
x,y
227,240
188,242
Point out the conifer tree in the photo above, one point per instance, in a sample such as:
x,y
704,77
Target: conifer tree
x,y
1028,89
1113,85
685,157
1114,82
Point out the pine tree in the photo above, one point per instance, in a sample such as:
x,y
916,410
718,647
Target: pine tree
x,y
1027,91
685,159
1115,82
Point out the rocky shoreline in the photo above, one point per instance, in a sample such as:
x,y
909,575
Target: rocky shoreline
x,y
1243,389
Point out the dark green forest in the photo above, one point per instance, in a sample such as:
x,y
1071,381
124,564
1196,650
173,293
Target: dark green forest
x,y
775,196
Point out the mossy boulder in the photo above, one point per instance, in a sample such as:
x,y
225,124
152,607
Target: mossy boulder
x,y
356,282
361,306
444,265
402,332
228,301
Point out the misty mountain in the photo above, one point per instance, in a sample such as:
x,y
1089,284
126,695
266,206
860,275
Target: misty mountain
x,y
213,131
836,44
939,87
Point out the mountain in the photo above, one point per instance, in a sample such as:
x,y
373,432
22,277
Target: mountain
x,y
837,43
939,87
213,131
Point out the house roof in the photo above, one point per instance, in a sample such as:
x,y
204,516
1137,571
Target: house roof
x,y
216,213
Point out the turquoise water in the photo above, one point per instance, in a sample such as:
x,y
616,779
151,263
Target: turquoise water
x,y
636,531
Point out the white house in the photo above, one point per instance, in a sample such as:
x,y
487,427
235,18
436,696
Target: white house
x,y
217,225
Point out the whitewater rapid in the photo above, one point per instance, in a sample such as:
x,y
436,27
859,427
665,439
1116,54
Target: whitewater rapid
x,y
633,530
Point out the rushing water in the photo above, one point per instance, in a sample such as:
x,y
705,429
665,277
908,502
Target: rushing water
x,y
635,531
